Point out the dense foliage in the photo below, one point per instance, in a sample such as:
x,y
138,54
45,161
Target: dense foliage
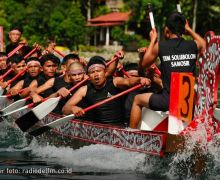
x,y
65,20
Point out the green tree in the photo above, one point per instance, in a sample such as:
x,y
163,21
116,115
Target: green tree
x,y
73,27
42,19
65,20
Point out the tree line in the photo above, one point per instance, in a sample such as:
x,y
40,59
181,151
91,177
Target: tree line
x,y
65,20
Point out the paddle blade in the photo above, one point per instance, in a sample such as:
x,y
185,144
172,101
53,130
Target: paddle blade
x,y
15,111
51,125
217,113
40,131
39,112
26,121
14,106
4,101
45,107
1,91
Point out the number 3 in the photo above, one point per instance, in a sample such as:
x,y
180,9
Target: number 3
x,y
186,95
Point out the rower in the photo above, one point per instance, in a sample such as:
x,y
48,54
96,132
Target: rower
x,y
176,55
49,63
101,87
18,64
67,60
53,84
76,73
15,39
33,71
3,63
131,69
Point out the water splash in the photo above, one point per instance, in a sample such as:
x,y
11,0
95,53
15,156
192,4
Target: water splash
x,y
103,158
198,159
92,158
11,137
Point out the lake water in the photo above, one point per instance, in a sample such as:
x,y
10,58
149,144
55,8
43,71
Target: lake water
x,y
21,159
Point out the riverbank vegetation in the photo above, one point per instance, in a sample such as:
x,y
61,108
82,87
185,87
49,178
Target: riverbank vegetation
x,y
66,20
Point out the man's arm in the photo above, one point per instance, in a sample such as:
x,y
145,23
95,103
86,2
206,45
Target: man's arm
x,y
151,52
33,85
16,88
112,67
124,83
35,93
48,84
200,42
70,107
63,92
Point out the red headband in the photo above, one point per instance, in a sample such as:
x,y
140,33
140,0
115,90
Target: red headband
x,y
75,72
96,65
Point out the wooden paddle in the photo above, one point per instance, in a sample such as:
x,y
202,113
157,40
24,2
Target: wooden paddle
x,y
9,55
30,53
15,50
216,113
4,101
40,111
60,53
121,68
15,110
8,97
6,73
178,6
60,121
15,105
13,79
47,105
150,10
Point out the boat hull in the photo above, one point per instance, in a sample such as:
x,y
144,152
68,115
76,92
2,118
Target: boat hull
x,y
81,133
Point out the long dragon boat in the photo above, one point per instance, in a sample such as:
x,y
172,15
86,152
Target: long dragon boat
x,y
159,133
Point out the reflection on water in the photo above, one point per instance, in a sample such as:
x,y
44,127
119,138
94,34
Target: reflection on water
x,y
22,157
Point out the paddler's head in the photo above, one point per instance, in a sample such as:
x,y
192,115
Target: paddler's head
x,y
69,59
15,34
34,67
3,61
49,63
96,69
131,69
17,63
175,24
75,72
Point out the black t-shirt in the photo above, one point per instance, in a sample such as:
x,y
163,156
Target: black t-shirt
x,y
59,82
10,76
40,81
177,55
3,71
28,79
111,112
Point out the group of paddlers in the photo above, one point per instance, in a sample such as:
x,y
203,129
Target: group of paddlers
x,y
37,75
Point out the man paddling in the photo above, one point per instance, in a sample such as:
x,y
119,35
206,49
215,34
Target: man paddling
x,y
100,87
15,39
53,84
176,55
18,65
33,71
49,63
75,73
3,63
